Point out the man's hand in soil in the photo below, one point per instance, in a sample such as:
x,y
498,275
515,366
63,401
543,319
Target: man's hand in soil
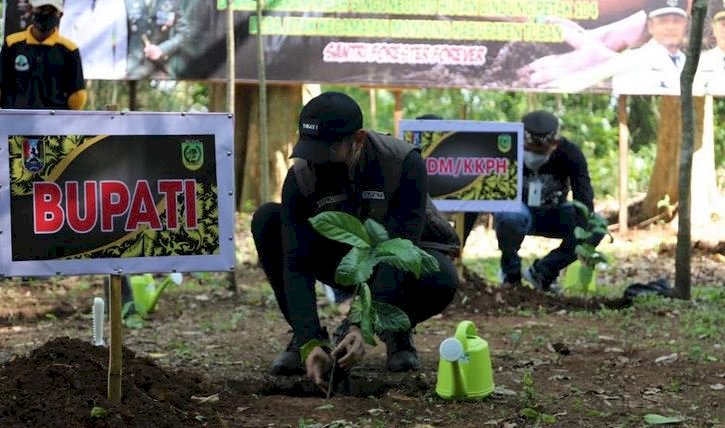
x,y
350,350
318,363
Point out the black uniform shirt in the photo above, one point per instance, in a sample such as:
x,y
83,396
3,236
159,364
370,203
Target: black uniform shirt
x,y
405,219
39,75
566,167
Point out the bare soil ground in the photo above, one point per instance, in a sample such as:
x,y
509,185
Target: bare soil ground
x,y
202,358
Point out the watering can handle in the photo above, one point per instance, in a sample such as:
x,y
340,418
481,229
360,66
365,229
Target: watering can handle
x,y
464,330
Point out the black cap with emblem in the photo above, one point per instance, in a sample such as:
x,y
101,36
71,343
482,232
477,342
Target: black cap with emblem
x,y
656,8
540,127
325,120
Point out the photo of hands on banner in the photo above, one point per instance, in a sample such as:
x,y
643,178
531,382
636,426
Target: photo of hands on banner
x,y
622,46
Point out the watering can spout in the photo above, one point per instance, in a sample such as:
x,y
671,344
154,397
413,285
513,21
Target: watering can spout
x,y
464,369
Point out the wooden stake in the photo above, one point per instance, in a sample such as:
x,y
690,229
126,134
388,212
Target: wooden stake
x,y
623,166
115,362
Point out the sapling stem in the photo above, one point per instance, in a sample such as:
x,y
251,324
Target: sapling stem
x,y
116,342
332,380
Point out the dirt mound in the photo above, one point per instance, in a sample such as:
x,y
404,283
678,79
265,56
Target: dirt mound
x,y
476,295
59,383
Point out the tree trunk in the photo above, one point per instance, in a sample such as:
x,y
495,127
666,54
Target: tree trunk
x,y
283,107
683,256
664,180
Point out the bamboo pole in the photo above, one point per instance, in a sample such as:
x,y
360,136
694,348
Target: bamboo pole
x,y
115,362
398,113
263,142
374,108
231,104
231,58
623,166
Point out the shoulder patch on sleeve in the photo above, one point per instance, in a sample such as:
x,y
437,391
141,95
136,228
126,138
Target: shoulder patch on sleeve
x,y
14,38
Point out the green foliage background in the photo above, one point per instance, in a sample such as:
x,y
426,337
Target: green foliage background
x,y
589,120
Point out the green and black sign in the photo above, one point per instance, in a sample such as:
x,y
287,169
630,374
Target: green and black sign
x,y
472,166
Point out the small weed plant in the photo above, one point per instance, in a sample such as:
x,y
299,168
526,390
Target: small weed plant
x,y
532,409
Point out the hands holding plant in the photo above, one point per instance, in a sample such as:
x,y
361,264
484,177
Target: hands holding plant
x,y
370,245
347,353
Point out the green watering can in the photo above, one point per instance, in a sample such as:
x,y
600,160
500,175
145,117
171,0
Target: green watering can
x,y
464,368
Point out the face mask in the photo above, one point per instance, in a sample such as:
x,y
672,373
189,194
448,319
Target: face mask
x,y
45,23
534,161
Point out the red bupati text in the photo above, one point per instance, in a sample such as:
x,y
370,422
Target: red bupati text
x,y
55,206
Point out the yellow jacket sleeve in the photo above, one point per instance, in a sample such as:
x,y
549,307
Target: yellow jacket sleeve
x,y
78,99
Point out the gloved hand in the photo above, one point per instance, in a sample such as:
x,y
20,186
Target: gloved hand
x,y
350,350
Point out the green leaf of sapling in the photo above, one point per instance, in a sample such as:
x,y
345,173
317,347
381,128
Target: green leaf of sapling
x,y
356,267
581,234
341,227
391,317
376,231
428,263
366,318
401,254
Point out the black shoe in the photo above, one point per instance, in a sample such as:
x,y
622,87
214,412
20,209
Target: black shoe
x,y
402,355
289,361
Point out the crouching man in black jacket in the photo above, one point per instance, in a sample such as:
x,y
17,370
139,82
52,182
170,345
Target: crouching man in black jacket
x,y
341,167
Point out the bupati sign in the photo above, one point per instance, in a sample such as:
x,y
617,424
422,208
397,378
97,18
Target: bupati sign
x,y
472,166
109,193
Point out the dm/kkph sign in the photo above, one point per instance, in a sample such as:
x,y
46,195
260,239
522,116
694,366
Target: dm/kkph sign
x,y
472,166
86,193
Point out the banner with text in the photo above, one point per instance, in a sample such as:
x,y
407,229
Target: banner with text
x,y
623,46
93,193
472,166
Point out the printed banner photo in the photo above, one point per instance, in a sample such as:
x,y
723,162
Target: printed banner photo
x,y
620,46
472,165
88,193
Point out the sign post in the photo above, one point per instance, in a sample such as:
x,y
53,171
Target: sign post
x,y
115,359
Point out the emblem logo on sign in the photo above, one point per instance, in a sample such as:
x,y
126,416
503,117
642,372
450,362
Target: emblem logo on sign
x,y
504,143
192,154
21,63
33,155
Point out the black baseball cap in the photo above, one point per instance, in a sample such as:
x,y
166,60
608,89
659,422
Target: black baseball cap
x,y
540,127
666,7
429,116
325,120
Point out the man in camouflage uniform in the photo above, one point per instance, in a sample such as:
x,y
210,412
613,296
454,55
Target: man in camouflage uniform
x,y
157,29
